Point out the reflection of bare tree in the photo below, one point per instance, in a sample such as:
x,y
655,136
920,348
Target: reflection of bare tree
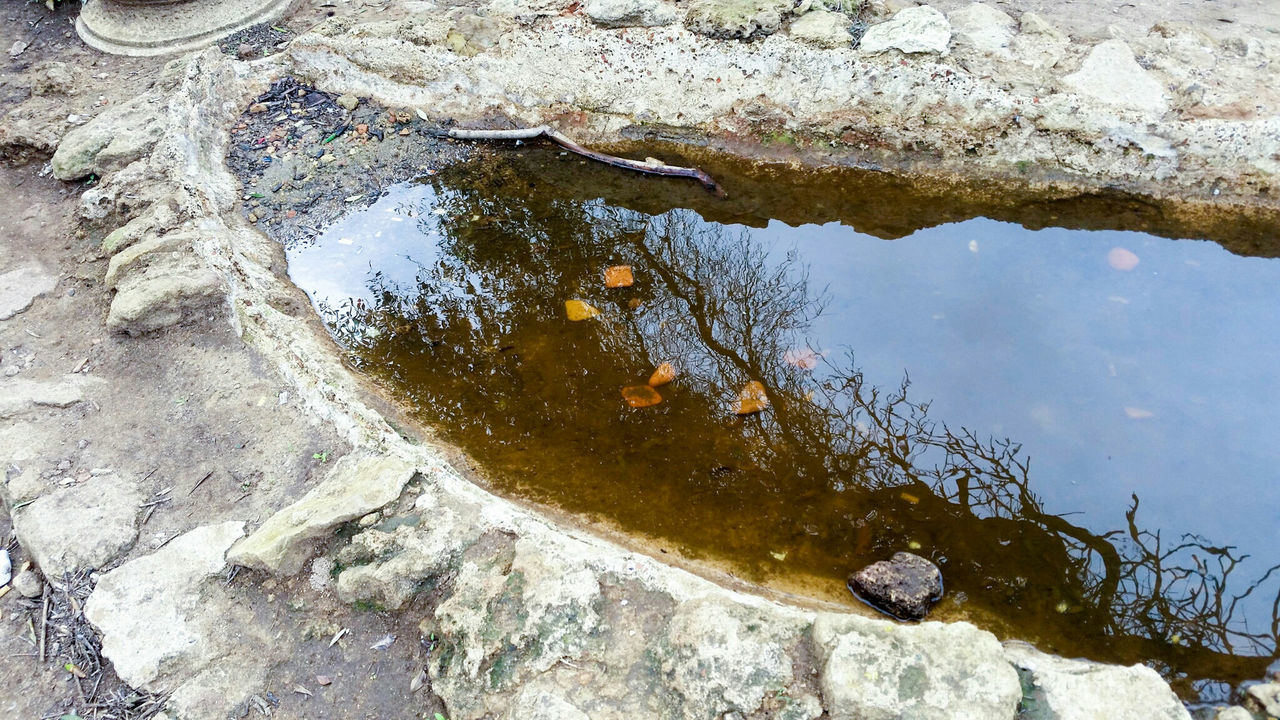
x,y
839,472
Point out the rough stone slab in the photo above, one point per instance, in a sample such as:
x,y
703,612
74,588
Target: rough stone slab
x,y
388,568
220,688
529,597
136,255
118,136
167,293
1063,689
20,287
357,485
877,670
1111,75
919,29
152,612
629,13
21,395
983,28
727,655
158,217
23,487
80,527
1035,24
741,19
822,28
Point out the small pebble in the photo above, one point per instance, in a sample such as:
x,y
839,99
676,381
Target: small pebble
x,y
348,102
244,51
28,584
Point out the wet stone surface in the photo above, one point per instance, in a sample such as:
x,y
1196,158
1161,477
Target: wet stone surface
x,y
905,586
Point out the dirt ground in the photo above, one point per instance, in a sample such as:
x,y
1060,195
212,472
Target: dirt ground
x,y
194,410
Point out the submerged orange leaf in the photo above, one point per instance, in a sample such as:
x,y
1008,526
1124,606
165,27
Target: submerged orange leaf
x,y
579,310
640,396
751,399
618,276
665,373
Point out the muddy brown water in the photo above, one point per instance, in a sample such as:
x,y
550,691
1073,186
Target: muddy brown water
x,y
1067,404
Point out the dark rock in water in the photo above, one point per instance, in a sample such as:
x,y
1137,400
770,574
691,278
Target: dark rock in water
x,y
905,586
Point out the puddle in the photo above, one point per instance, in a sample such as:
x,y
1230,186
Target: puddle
x,y
1079,426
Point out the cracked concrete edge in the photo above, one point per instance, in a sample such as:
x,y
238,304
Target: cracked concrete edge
x,y
189,157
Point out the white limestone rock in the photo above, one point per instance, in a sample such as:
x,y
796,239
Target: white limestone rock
x,y
726,655
876,670
983,28
822,28
120,135
152,611
172,289
80,527
1111,75
629,13
21,286
1034,24
919,29
357,484
1064,689
21,395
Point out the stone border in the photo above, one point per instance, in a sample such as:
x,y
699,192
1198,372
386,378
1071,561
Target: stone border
x,y
533,619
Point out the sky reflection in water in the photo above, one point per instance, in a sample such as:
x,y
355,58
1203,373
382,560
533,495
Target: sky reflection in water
x,y
1157,381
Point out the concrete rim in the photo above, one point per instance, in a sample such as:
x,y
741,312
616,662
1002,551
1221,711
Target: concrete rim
x,y
150,29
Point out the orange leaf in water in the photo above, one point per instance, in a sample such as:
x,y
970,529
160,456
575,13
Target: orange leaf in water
x,y
640,396
579,310
751,399
802,358
1122,259
618,276
665,373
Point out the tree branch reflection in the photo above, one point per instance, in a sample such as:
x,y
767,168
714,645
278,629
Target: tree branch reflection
x,y
839,472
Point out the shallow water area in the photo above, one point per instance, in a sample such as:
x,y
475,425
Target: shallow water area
x,y
1078,426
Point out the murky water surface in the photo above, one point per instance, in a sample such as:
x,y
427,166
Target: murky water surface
x,y
1081,427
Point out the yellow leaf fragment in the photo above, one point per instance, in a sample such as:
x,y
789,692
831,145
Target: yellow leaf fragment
x,y
665,373
578,310
640,396
618,276
751,399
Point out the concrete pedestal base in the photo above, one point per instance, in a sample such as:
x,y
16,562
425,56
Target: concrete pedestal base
x,y
158,28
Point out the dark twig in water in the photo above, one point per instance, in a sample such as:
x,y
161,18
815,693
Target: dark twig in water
x,y
653,167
